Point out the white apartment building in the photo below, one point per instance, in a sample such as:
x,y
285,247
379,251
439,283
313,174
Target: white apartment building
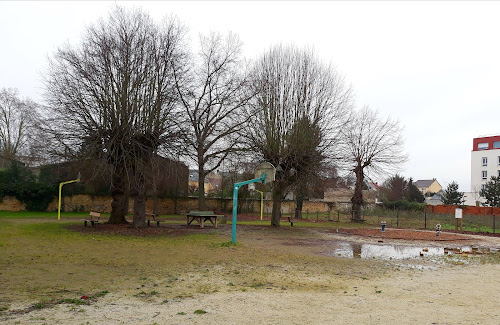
x,y
485,161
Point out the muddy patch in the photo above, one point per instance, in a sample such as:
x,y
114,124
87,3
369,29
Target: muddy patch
x,y
404,234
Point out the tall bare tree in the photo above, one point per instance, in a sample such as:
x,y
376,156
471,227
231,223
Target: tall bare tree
x,y
297,113
17,123
213,97
112,99
373,147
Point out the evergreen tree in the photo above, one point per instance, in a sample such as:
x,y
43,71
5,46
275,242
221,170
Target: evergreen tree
x,y
413,194
491,192
452,196
397,188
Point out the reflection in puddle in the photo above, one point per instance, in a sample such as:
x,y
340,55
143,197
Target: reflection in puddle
x,y
398,252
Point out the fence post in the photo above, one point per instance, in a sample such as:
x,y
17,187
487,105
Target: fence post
x,y
425,218
493,223
338,215
397,218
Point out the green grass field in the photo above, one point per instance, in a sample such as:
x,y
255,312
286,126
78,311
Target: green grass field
x,y
43,261
46,262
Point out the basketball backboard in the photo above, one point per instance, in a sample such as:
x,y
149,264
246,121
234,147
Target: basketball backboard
x,y
268,169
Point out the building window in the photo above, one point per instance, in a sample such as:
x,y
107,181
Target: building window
x,y
483,187
496,145
499,160
499,173
482,146
484,174
485,161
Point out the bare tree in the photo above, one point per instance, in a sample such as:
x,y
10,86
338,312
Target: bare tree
x,y
373,147
17,123
112,100
213,98
475,194
297,114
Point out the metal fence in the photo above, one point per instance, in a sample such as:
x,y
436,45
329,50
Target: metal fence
x,y
427,220
407,219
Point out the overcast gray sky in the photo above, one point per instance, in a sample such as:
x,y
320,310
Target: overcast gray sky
x,y
434,66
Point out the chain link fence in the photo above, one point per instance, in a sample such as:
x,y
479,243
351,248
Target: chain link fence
x,y
426,220
406,219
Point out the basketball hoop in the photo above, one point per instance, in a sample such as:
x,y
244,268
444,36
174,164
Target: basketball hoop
x,y
268,169
265,173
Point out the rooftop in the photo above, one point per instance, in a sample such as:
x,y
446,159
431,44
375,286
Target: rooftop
x,y
424,182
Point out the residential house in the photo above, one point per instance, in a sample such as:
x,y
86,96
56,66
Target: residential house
x,y
212,182
436,199
428,186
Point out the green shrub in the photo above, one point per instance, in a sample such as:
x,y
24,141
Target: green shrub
x,y
404,205
18,181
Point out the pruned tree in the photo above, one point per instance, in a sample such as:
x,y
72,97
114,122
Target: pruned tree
x,y
213,95
305,141
373,147
112,100
452,196
18,119
491,192
297,113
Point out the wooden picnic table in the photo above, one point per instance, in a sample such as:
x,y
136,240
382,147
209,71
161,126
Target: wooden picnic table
x,y
202,216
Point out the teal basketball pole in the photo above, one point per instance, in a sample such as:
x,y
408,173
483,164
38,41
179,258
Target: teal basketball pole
x,y
237,186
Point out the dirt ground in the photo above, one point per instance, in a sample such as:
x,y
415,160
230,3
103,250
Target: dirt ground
x,y
458,287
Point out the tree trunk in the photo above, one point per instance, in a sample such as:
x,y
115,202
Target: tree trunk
x,y
156,205
155,198
201,188
357,198
140,203
139,210
119,204
276,216
299,202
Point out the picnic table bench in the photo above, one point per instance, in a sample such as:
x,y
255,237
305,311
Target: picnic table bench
x,y
150,217
153,217
93,219
202,216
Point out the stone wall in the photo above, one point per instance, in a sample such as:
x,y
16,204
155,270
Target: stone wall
x,y
12,204
83,203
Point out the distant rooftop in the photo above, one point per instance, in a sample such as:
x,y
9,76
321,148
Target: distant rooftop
x,y
424,182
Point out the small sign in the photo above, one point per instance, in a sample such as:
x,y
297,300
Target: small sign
x,y
458,213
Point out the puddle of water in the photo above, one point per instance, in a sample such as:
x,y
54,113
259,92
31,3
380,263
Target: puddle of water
x,y
399,252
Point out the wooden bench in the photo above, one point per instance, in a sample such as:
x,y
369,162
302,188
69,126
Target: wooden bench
x,y
149,217
93,219
287,219
152,217
202,216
